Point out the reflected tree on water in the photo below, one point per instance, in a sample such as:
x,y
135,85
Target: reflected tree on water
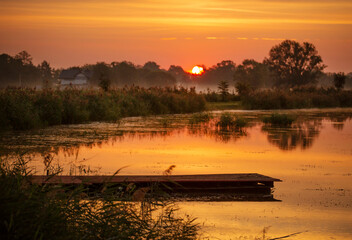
x,y
338,122
301,134
222,134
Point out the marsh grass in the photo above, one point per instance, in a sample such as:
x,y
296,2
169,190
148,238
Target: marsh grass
x,y
297,98
201,117
27,108
30,211
228,121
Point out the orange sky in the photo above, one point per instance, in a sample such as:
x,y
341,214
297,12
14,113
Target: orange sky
x,y
179,32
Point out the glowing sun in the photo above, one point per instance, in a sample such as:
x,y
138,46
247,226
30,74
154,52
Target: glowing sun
x,y
196,70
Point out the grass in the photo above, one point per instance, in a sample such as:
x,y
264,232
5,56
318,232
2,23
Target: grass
x,y
30,211
227,121
201,117
279,119
223,105
297,98
27,108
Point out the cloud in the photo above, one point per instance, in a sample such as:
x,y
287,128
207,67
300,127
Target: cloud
x,y
214,38
168,38
273,39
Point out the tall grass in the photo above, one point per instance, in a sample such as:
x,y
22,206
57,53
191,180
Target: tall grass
x,y
297,98
30,211
201,117
26,108
228,121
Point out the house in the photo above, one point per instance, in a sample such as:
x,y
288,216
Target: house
x,y
74,77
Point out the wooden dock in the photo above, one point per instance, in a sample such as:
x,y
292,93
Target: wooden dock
x,y
182,179
201,181
202,187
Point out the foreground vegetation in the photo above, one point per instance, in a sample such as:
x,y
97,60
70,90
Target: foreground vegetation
x,y
56,212
27,108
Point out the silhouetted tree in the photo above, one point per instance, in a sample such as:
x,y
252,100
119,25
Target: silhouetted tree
x,y
178,73
152,66
223,87
339,80
104,82
253,73
9,70
100,71
223,70
25,58
46,74
124,73
243,88
294,63
160,78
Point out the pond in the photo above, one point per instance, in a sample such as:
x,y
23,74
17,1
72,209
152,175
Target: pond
x,y
313,157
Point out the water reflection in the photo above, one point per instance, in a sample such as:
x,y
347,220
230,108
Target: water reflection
x,y
312,157
339,120
217,133
69,139
301,134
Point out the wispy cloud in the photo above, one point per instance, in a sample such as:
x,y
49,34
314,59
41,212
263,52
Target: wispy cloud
x,y
168,38
273,39
214,38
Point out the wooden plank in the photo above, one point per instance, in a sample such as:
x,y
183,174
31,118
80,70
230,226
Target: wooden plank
x,y
201,178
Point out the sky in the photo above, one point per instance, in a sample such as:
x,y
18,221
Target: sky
x,y
173,32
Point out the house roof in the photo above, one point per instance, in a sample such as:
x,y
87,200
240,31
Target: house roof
x,y
73,72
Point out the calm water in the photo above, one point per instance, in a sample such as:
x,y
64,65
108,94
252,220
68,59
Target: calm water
x,y
313,158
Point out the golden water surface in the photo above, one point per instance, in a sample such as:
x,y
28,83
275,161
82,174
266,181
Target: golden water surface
x,y
313,158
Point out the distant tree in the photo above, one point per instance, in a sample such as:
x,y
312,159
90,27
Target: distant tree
x,y
180,74
46,74
295,64
223,87
254,73
9,70
339,80
28,74
223,70
105,82
25,57
152,66
124,73
160,78
100,70
243,88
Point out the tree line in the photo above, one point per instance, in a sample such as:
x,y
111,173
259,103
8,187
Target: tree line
x,y
289,64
